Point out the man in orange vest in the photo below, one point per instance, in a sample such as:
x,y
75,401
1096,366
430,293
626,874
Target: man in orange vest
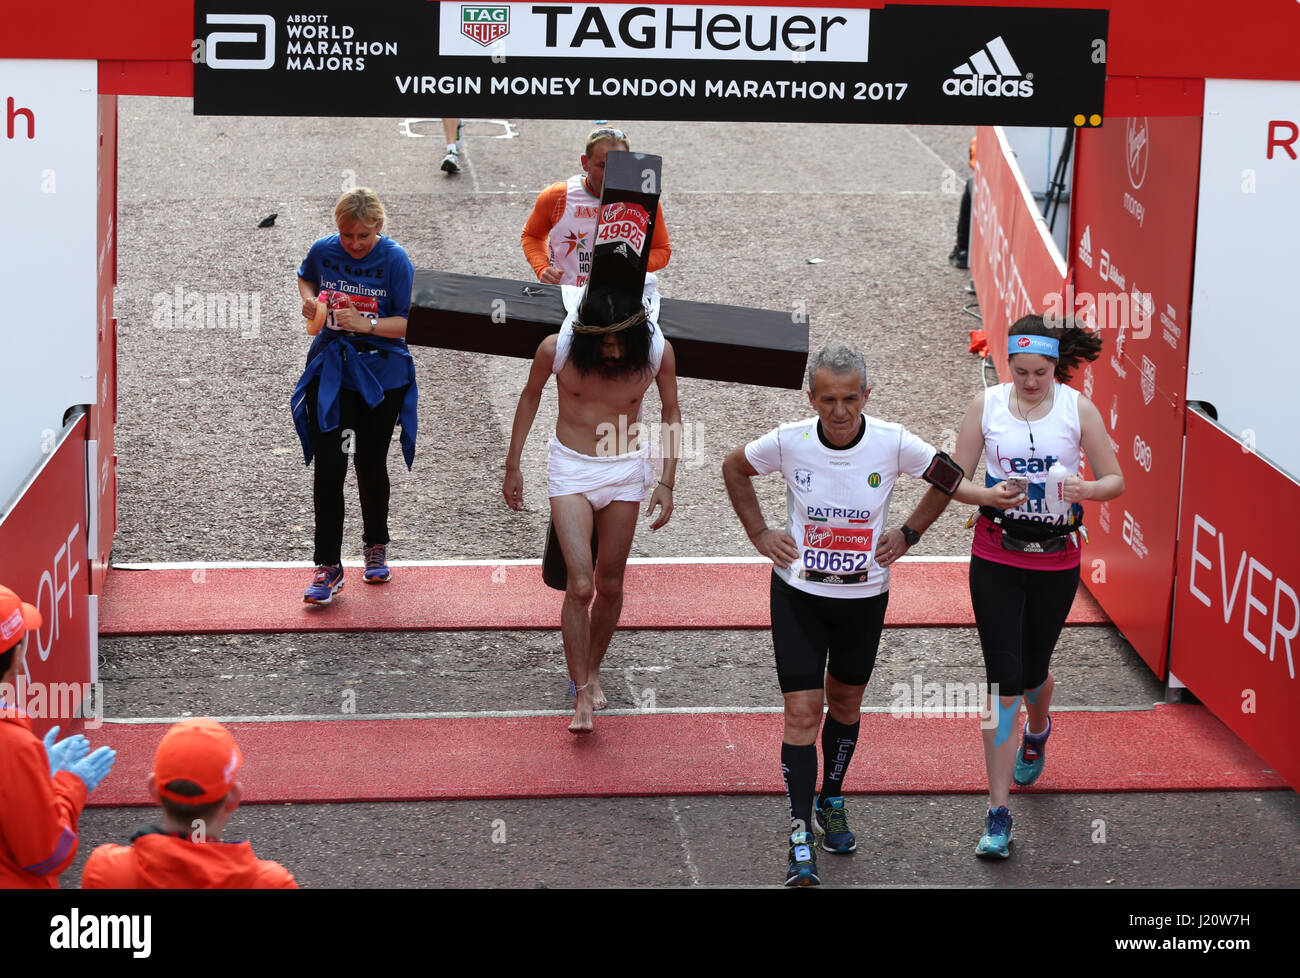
x,y
194,781
43,786
560,236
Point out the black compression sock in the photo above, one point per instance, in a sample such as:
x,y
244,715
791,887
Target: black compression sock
x,y
799,768
838,741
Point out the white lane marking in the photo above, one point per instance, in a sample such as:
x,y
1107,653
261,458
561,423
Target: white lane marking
x,y
920,142
517,714
686,844
505,562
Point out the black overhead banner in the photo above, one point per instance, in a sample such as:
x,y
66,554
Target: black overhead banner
x,y
678,61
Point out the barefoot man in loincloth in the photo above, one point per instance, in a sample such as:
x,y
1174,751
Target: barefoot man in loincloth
x,y
598,472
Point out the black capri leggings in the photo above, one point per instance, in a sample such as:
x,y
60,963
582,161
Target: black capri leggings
x,y
371,434
807,628
1020,614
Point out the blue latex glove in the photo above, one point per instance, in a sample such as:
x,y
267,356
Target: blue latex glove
x,y
66,752
93,768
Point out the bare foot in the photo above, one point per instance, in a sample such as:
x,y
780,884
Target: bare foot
x,y
598,700
581,713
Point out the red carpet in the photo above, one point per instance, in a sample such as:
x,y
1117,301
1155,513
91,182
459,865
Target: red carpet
x,y
684,754
182,602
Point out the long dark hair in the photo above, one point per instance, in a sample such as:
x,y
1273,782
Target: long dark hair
x,y
587,353
1078,343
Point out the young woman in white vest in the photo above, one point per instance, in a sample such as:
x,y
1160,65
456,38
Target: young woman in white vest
x,y
1025,557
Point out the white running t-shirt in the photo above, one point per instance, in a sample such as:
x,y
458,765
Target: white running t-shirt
x,y
837,500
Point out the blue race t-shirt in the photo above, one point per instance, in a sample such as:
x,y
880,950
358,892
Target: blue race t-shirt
x,y
378,285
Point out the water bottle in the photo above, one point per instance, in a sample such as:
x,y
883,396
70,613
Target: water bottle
x,y
1054,490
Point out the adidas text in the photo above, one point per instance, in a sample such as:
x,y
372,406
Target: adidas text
x,y
989,85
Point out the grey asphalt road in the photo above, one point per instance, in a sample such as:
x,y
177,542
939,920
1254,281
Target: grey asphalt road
x,y
210,470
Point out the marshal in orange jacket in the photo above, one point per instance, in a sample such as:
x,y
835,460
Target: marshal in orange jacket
x,y
159,860
38,814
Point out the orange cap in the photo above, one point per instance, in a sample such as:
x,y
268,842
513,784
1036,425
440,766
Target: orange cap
x,y
16,619
201,751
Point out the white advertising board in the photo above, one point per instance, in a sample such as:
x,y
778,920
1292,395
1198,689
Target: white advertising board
x,y
48,328
1245,314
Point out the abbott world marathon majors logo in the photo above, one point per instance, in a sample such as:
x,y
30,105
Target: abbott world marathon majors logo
x,y
655,31
312,42
990,71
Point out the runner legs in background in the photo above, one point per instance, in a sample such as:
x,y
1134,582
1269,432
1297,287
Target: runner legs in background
x,y
451,132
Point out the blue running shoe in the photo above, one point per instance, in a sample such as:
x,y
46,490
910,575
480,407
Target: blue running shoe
x,y
833,824
327,583
802,870
1032,756
996,841
377,571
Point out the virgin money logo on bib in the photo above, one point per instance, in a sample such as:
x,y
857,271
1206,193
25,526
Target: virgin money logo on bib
x,y
623,222
817,536
837,538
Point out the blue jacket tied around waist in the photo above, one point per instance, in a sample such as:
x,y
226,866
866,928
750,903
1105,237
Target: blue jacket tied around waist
x,y
340,365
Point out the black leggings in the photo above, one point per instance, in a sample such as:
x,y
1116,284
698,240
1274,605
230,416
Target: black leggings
x,y
371,434
1020,614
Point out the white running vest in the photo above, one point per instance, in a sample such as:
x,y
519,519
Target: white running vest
x,y
1007,448
573,238
837,501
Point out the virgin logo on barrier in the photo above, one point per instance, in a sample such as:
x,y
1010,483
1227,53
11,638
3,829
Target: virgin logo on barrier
x,y
1137,146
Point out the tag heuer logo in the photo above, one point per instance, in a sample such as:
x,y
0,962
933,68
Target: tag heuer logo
x,y
1148,379
484,25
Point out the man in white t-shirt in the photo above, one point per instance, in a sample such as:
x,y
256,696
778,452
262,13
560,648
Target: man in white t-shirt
x,y
830,582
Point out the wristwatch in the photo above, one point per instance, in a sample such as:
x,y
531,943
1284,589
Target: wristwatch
x,y
374,324
910,535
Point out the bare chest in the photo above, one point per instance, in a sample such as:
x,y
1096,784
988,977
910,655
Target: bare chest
x,y
619,393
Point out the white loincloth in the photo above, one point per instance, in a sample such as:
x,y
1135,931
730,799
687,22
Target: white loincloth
x,y
601,479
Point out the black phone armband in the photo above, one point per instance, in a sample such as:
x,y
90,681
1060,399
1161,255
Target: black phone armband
x,y
943,473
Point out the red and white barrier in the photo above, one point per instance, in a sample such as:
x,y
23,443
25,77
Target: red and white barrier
x,y
1132,234
1236,637
1013,259
43,559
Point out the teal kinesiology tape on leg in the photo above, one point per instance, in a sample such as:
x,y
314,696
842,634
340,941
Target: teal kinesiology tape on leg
x,y
1031,695
1006,716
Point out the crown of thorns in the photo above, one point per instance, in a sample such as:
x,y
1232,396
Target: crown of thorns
x,y
636,319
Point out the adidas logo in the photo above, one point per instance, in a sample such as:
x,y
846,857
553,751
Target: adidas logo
x,y
1085,246
990,71
621,250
